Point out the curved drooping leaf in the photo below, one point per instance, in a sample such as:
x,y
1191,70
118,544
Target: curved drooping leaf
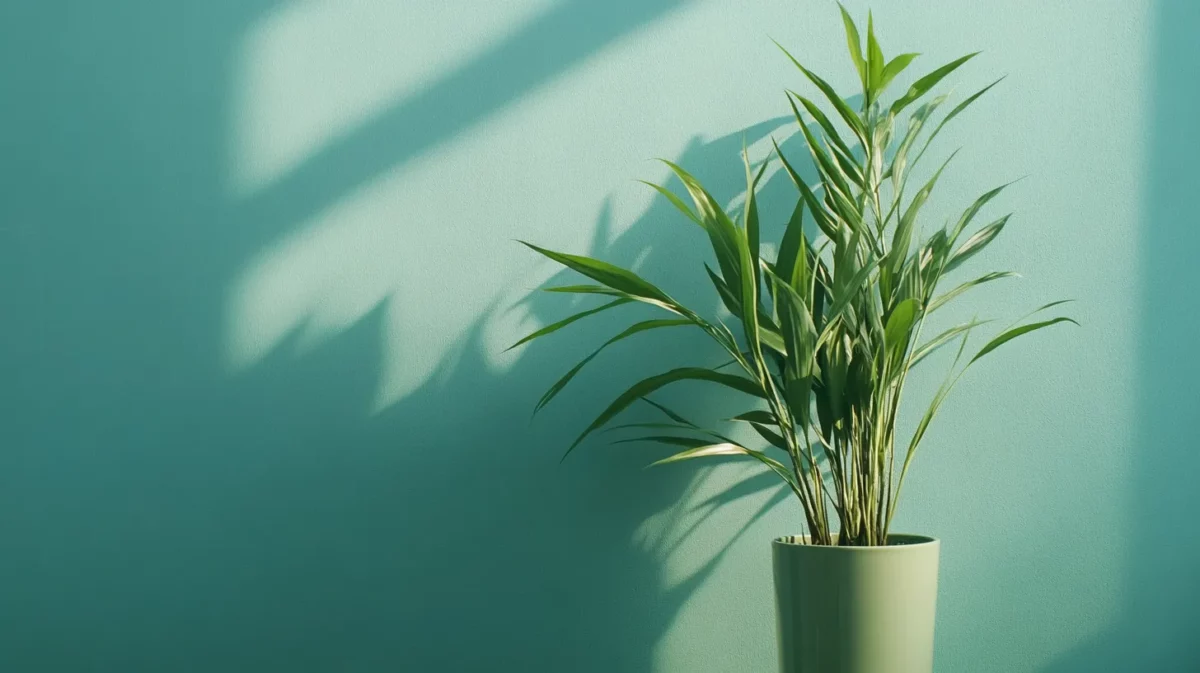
x,y
675,201
954,113
831,133
759,416
1015,332
649,385
726,449
636,328
554,327
976,242
923,85
952,294
929,347
969,213
849,116
608,274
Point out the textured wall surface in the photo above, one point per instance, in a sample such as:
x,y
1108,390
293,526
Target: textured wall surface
x,y
258,271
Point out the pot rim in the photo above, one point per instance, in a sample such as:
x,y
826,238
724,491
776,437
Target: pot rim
x,y
896,542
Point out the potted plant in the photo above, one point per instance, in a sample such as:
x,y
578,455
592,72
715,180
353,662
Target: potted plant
x,y
830,329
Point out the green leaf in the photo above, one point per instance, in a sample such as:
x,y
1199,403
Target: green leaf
x,y
875,60
729,449
969,213
675,201
636,328
1015,332
849,293
976,243
923,85
823,219
674,440
986,278
603,272
759,416
854,43
926,349
773,438
751,210
893,68
899,324
902,238
954,113
793,242
649,385
554,327
722,233
849,116
678,418
830,131
830,172
585,289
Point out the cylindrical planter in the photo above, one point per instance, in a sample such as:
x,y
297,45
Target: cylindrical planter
x,y
856,609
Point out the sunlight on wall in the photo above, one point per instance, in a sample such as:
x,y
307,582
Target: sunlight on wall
x,y
437,252
318,68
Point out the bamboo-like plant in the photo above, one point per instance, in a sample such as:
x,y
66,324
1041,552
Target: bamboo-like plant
x,y
832,327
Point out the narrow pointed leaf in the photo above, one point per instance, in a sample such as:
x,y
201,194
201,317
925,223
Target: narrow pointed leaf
x,y
849,116
603,272
675,201
554,327
954,113
986,278
923,85
636,328
1016,332
895,67
875,61
653,383
976,243
826,126
727,449
854,43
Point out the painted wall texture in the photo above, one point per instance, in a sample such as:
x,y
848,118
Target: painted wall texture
x,y
258,271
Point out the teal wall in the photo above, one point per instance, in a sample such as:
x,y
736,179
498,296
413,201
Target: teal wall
x,y
257,272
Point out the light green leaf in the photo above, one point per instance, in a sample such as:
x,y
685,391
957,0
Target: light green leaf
x,y
986,278
926,349
675,201
727,449
649,385
875,60
636,328
893,68
603,272
849,116
899,323
1015,332
854,43
554,327
923,85
976,242
954,113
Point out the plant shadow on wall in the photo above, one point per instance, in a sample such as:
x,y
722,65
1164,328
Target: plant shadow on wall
x,y
1159,620
549,570
163,516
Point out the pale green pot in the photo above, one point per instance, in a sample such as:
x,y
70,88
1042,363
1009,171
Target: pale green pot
x,y
856,609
